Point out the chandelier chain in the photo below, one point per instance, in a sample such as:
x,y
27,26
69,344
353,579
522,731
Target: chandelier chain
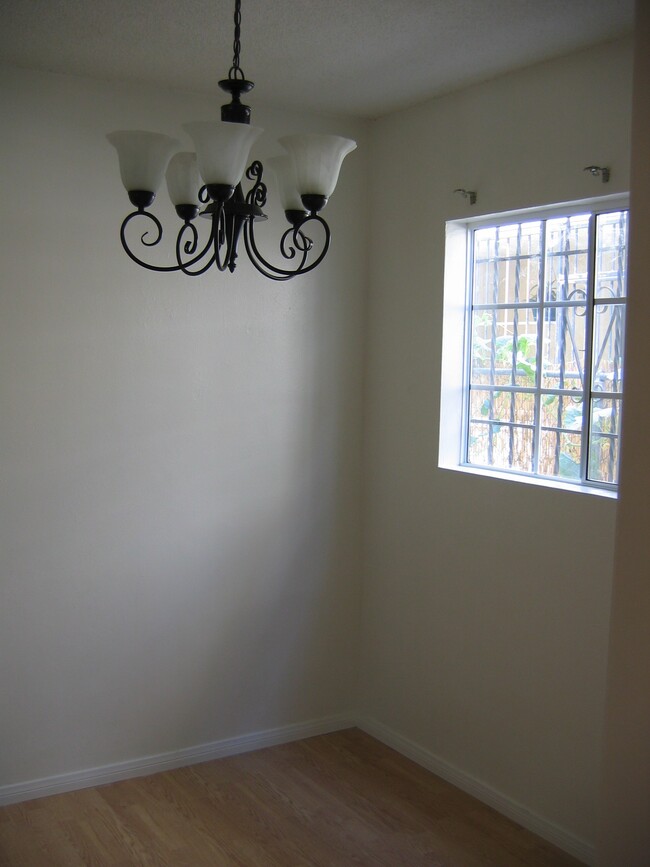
x,y
235,71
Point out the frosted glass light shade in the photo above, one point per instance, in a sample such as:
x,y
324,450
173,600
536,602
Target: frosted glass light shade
x,y
317,159
183,181
285,172
143,157
222,149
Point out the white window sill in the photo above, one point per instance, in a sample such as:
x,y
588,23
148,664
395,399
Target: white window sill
x,y
518,478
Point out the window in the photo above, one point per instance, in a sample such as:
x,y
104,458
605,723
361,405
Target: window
x,y
542,385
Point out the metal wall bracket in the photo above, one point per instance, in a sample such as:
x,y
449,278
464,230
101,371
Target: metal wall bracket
x,y
467,194
598,170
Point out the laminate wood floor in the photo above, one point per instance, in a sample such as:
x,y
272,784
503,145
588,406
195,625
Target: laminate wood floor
x,y
338,800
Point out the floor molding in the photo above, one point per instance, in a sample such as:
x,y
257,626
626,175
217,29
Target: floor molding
x,y
575,846
145,765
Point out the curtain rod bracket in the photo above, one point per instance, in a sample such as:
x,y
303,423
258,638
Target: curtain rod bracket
x,y
467,194
598,170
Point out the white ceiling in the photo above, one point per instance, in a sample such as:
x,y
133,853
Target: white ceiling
x,y
358,57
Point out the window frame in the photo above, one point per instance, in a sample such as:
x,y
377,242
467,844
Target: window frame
x,y
457,327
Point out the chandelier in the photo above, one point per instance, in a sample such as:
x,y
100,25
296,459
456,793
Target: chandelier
x,y
208,184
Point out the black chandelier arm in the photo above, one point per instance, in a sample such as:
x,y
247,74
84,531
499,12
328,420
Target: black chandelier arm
x,y
262,265
184,246
189,249
299,242
305,244
300,248
216,242
222,239
143,240
256,196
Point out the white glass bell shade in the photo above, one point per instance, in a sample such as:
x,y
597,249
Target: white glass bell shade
x,y
285,173
143,157
183,181
222,149
317,159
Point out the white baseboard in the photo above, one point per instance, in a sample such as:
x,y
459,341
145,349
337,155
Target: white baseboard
x,y
580,849
146,765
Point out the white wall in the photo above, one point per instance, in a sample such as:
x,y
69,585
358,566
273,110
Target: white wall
x,y
180,493
486,602
624,836
180,458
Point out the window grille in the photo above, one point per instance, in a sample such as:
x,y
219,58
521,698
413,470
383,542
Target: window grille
x,y
545,348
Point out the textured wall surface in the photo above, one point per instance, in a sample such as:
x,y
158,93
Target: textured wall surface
x,y
180,458
186,464
486,602
625,807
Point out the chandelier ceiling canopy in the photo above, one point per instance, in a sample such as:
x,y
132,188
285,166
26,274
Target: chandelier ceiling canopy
x,y
208,183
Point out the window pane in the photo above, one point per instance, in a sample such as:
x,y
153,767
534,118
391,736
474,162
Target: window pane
x,y
611,255
604,440
507,264
567,243
504,406
504,347
563,347
561,411
492,405
477,444
609,346
491,348
560,454
561,436
525,333
501,446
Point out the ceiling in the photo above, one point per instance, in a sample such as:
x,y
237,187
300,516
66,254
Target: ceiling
x,y
356,57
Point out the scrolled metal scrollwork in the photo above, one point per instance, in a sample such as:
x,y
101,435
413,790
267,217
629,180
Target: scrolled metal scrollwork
x,y
299,248
299,243
144,241
257,194
227,220
190,246
189,249
578,294
186,248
